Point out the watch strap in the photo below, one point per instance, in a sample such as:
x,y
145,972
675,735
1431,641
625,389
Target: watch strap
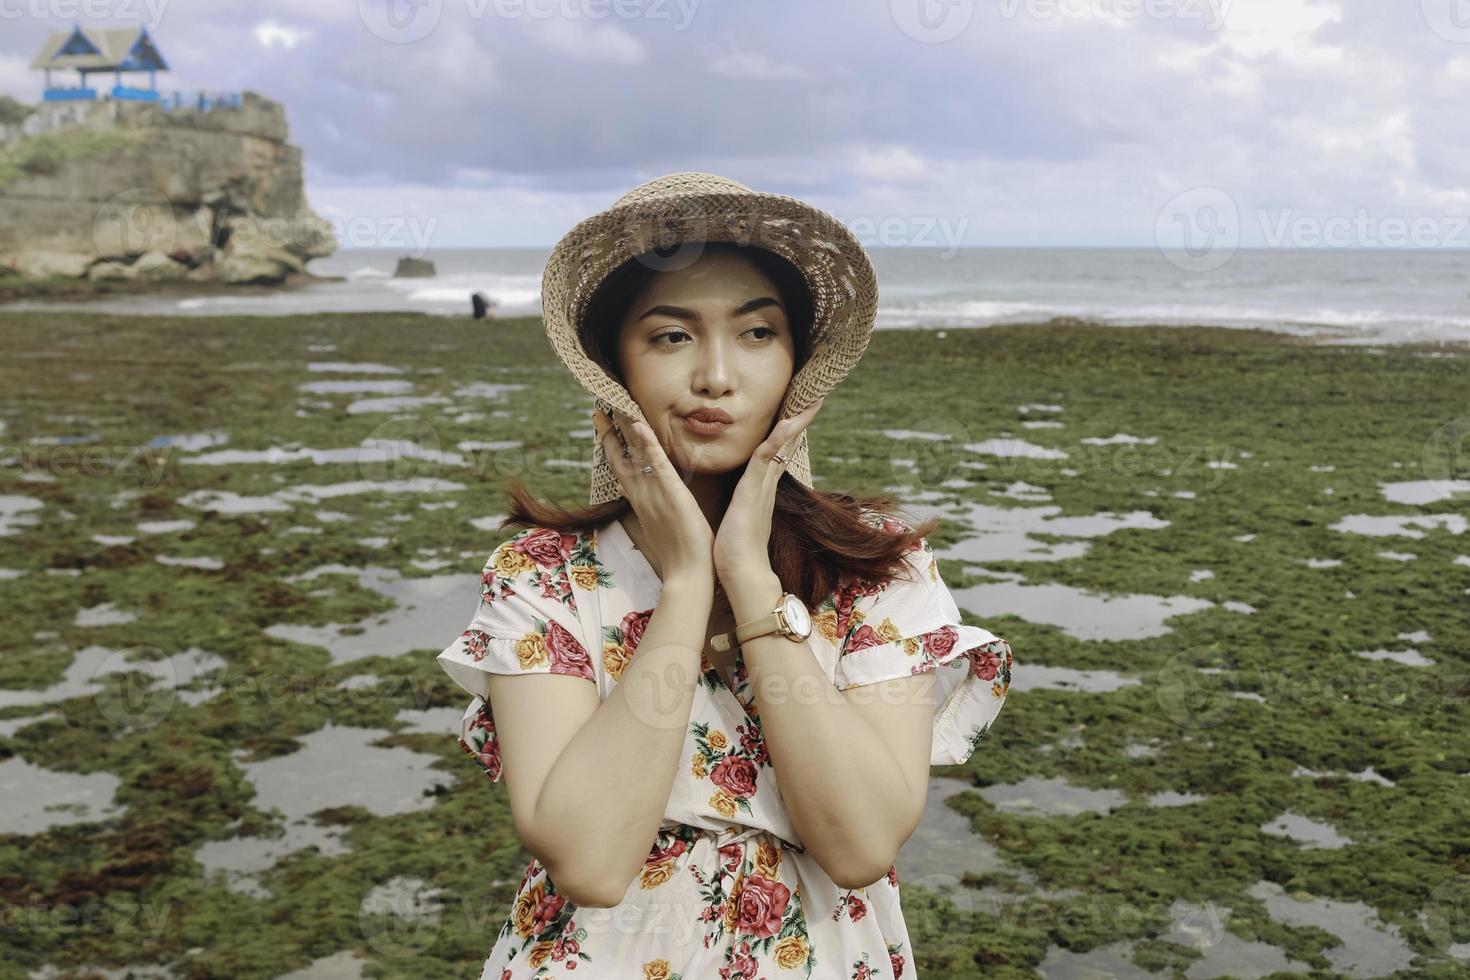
x,y
771,622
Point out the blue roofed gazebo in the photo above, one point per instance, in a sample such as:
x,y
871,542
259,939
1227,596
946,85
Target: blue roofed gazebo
x,y
99,50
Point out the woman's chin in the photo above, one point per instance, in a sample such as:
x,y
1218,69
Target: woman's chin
x,y
708,460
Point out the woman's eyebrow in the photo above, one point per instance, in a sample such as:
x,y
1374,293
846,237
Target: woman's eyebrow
x,y
750,306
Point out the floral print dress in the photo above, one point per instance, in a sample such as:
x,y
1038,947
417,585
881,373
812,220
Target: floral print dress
x,y
727,890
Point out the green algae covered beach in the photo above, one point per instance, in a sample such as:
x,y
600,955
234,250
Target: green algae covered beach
x,y
1233,566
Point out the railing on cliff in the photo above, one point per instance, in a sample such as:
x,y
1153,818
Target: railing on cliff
x,y
197,101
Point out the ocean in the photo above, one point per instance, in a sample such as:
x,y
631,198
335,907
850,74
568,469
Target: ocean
x,y
1338,295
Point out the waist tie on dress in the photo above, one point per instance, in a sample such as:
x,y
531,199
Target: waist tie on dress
x,y
729,835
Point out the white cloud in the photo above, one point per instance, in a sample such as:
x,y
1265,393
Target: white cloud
x,y
578,40
273,34
1286,28
888,163
751,64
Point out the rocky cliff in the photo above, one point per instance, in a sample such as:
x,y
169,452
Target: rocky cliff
x,y
128,190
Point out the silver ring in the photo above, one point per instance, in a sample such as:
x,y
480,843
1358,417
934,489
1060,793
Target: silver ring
x,y
647,470
780,459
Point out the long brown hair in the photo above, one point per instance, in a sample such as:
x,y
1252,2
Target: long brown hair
x,y
819,539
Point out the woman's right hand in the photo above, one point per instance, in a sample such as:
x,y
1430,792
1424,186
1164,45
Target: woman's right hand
x,y
674,527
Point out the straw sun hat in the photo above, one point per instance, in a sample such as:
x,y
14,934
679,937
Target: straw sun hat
x,y
673,215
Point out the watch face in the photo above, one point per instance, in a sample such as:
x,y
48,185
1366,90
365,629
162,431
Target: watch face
x,y
797,617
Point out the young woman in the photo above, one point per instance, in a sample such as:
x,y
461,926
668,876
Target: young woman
x,y
773,668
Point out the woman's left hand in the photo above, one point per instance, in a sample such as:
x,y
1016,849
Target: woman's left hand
x,y
743,538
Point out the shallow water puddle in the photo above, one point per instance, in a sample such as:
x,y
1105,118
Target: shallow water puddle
x,y
33,799
427,608
189,442
1417,493
82,677
1306,831
355,387
393,403
1053,796
943,848
107,614
1040,677
1378,526
335,766
18,511
1370,947
351,367
1367,775
1409,657
370,451
346,965
1078,613
228,502
1013,448
1004,533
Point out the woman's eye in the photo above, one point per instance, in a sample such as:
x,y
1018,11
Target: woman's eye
x,y
770,331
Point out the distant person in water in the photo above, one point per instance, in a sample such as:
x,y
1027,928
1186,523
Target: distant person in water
x,y
481,306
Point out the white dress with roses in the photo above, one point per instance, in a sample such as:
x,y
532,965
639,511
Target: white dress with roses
x,y
727,889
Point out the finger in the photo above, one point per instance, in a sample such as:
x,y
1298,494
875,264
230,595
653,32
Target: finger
x,y
788,431
633,442
612,449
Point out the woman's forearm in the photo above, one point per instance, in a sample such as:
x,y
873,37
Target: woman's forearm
x,y
844,790
607,792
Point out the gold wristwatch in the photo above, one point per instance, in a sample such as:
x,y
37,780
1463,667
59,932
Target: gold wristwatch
x,y
790,618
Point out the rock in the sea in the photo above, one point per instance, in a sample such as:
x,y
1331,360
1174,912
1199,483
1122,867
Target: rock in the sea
x,y
412,268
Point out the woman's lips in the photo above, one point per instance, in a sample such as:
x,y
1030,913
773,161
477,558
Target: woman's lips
x,y
703,428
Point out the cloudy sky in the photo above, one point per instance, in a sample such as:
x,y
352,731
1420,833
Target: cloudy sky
x,y
923,122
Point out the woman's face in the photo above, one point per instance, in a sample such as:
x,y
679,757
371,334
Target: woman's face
x,y
710,335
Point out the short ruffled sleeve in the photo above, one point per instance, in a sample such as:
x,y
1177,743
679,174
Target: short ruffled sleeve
x,y
526,622
911,624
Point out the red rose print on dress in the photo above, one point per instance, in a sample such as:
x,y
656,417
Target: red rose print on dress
x,y
762,906
567,655
735,776
546,547
633,626
865,637
985,663
941,641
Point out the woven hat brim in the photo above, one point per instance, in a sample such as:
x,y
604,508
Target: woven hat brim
x,y
836,267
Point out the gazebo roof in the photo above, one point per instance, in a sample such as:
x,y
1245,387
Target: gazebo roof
x,y
101,49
